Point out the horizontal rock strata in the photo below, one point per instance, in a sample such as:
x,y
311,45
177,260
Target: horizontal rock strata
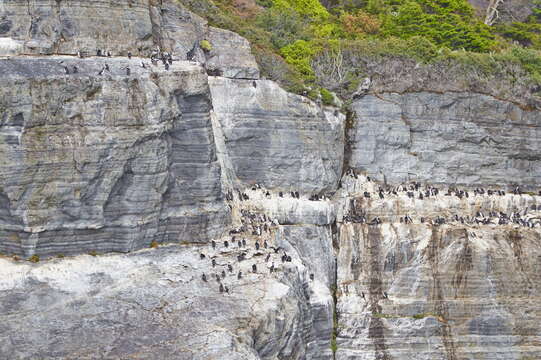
x,y
105,162
179,302
120,27
450,138
297,234
467,288
277,139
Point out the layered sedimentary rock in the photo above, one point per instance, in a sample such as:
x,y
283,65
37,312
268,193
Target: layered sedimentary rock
x,y
273,138
312,264
156,304
121,27
463,289
449,138
449,295
105,163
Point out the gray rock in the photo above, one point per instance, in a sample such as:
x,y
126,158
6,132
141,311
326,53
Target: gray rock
x,y
105,163
451,290
230,56
517,10
154,304
102,160
443,302
138,26
451,138
276,139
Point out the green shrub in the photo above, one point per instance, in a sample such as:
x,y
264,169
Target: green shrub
x,y
326,96
300,54
205,45
446,23
288,37
285,27
311,9
525,34
34,259
530,60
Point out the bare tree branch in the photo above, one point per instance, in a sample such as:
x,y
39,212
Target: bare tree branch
x,y
492,12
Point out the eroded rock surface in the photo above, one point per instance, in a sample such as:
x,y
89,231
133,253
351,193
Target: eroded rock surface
x,y
236,171
121,27
155,303
277,139
105,162
463,289
450,138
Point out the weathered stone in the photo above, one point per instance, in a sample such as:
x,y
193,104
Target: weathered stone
x,y
450,296
276,139
228,56
154,303
119,27
427,291
105,163
450,138
102,160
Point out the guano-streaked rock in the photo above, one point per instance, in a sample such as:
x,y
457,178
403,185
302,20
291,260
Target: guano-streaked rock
x,y
105,162
120,27
276,139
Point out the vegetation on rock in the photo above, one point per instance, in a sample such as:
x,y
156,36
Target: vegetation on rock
x,y
205,45
305,46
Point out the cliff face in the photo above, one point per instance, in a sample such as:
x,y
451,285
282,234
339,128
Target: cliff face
x,y
122,27
425,290
276,139
281,247
112,163
450,138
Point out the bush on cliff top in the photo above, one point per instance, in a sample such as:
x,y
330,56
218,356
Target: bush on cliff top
x,y
291,37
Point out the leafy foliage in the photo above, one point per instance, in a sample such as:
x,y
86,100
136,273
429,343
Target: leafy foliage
x,y
449,23
311,9
299,54
526,34
302,44
360,23
326,97
205,45
285,27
